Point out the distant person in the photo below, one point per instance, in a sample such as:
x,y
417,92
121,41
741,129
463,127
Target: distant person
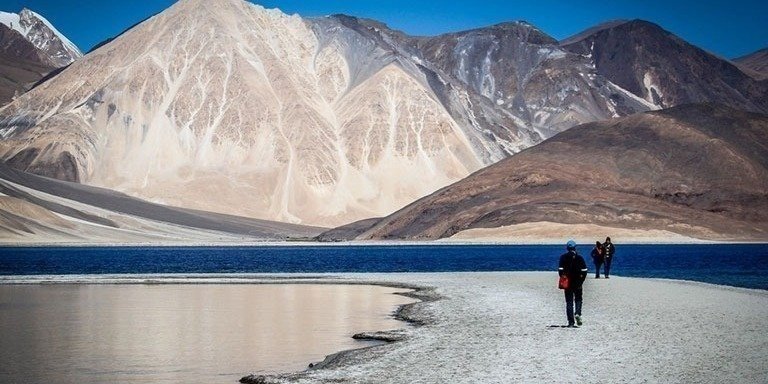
x,y
609,250
598,257
572,266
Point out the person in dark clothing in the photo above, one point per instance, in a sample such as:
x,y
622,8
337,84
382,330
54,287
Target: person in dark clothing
x,y
598,257
608,250
573,266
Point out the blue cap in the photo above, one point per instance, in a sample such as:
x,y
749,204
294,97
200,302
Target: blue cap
x,y
570,244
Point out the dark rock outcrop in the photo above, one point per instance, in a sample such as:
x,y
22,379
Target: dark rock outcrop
x,y
62,168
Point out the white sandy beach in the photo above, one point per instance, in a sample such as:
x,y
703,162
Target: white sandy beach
x,y
494,328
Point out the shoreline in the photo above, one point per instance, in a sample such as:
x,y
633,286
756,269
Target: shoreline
x,y
406,313
322,278
449,300
299,244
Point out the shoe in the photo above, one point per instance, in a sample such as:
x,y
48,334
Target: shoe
x,y
578,320
571,325
607,277
597,277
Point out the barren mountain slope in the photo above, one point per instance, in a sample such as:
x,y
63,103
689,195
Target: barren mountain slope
x,y
228,107
661,68
755,64
694,170
369,45
524,72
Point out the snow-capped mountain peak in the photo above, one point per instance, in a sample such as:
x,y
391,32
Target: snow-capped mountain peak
x,y
43,35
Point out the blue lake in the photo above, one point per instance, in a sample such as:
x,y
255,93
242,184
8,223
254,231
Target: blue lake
x,y
741,265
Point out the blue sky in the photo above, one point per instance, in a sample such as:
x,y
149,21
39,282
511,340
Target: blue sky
x,y
728,28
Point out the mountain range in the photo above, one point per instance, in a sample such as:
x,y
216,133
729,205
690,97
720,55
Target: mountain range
x,y
226,107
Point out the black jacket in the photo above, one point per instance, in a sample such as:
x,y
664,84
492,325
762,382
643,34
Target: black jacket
x,y
610,249
598,256
573,266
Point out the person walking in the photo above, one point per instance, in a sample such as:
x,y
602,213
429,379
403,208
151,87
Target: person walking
x,y
573,267
608,250
598,257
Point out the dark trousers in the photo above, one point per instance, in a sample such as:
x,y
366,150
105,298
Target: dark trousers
x,y
598,265
570,294
608,266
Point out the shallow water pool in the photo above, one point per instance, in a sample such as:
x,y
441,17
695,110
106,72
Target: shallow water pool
x,y
181,333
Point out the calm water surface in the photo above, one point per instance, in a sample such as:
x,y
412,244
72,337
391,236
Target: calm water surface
x,y
180,333
741,265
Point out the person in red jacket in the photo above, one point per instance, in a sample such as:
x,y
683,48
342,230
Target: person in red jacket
x,y
573,266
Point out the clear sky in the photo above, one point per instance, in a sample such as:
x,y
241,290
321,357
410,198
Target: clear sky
x,y
729,28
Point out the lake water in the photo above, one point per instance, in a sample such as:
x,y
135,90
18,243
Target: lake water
x,y
180,333
219,333
741,265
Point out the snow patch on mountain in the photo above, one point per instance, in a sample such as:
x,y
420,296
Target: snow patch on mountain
x,y
654,94
71,47
11,20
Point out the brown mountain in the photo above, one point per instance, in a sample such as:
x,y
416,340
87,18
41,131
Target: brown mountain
x,y
695,170
755,64
662,68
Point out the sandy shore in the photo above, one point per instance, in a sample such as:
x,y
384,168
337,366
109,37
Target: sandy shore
x,y
552,233
495,328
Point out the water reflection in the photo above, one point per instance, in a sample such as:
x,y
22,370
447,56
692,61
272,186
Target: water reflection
x,y
180,333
